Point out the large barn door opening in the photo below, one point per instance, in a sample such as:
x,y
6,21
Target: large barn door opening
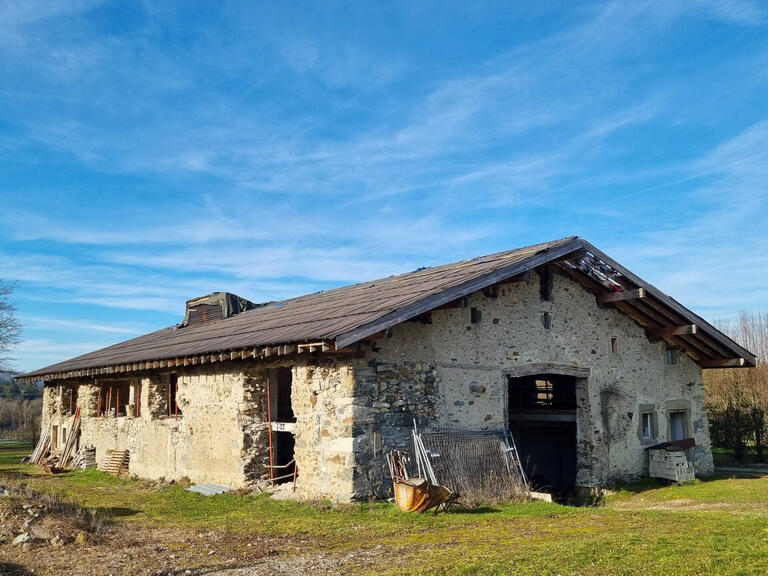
x,y
542,418
282,421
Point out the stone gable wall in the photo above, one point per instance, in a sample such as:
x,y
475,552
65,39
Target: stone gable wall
x,y
451,373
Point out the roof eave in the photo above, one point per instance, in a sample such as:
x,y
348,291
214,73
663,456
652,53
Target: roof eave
x,y
742,357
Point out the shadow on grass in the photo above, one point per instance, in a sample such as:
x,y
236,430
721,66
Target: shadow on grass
x,y
11,569
115,511
458,509
646,484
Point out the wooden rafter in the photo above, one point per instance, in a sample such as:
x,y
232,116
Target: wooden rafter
x,y
608,297
723,363
667,331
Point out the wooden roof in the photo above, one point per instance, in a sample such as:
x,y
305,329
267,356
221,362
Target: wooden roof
x,y
333,319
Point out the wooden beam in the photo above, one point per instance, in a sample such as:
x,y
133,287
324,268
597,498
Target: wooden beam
x,y
667,331
723,363
713,332
617,296
524,277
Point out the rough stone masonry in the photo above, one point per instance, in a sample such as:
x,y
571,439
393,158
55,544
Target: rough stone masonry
x,y
448,368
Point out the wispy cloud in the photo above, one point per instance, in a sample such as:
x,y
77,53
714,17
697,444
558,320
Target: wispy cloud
x,y
272,152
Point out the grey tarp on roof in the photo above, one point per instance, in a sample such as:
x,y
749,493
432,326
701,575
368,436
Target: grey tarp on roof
x,y
343,315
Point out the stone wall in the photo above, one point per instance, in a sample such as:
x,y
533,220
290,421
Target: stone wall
x,y
218,437
452,372
325,408
445,370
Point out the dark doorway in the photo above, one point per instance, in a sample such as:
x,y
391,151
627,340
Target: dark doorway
x,y
542,418
283,419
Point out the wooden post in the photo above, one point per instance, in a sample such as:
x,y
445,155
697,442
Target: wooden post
x,y
117,403
98,404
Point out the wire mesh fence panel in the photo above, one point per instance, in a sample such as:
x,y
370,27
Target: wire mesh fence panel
x,y
476,465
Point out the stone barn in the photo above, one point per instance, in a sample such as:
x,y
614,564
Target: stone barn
x,y
583,361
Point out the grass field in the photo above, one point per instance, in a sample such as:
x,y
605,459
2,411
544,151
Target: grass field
x,y
719,526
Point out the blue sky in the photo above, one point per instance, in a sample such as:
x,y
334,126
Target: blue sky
x,y
153,152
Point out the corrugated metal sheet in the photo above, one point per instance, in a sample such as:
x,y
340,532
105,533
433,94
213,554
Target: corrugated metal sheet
x,y
208,489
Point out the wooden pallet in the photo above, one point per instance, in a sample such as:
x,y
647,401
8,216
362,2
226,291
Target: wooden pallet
x,y
115,461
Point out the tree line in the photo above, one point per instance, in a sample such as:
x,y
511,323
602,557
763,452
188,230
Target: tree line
x,y
737,399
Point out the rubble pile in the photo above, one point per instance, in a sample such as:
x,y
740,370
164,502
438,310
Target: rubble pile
x,y
28,520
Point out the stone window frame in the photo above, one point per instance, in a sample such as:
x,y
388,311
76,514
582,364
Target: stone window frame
x,y
679,406
642,410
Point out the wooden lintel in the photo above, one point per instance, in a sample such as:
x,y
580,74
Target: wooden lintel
x,y
618,296
666,331
723,363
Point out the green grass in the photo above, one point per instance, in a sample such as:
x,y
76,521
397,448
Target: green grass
x,y
719,526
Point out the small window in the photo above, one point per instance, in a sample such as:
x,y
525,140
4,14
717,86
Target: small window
x,y
546,320
647,425
671,356
544,393
614,345
678,425
648,428
173,390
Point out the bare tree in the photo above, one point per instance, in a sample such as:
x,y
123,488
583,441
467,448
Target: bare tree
x,y
10,328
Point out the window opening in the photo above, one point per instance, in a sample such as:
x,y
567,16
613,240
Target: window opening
x,y
173,389
614,345
647,425
545,283
671,356
114,398
678,425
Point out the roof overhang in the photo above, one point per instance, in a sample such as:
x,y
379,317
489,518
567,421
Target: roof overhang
x,y
613,285
661,316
